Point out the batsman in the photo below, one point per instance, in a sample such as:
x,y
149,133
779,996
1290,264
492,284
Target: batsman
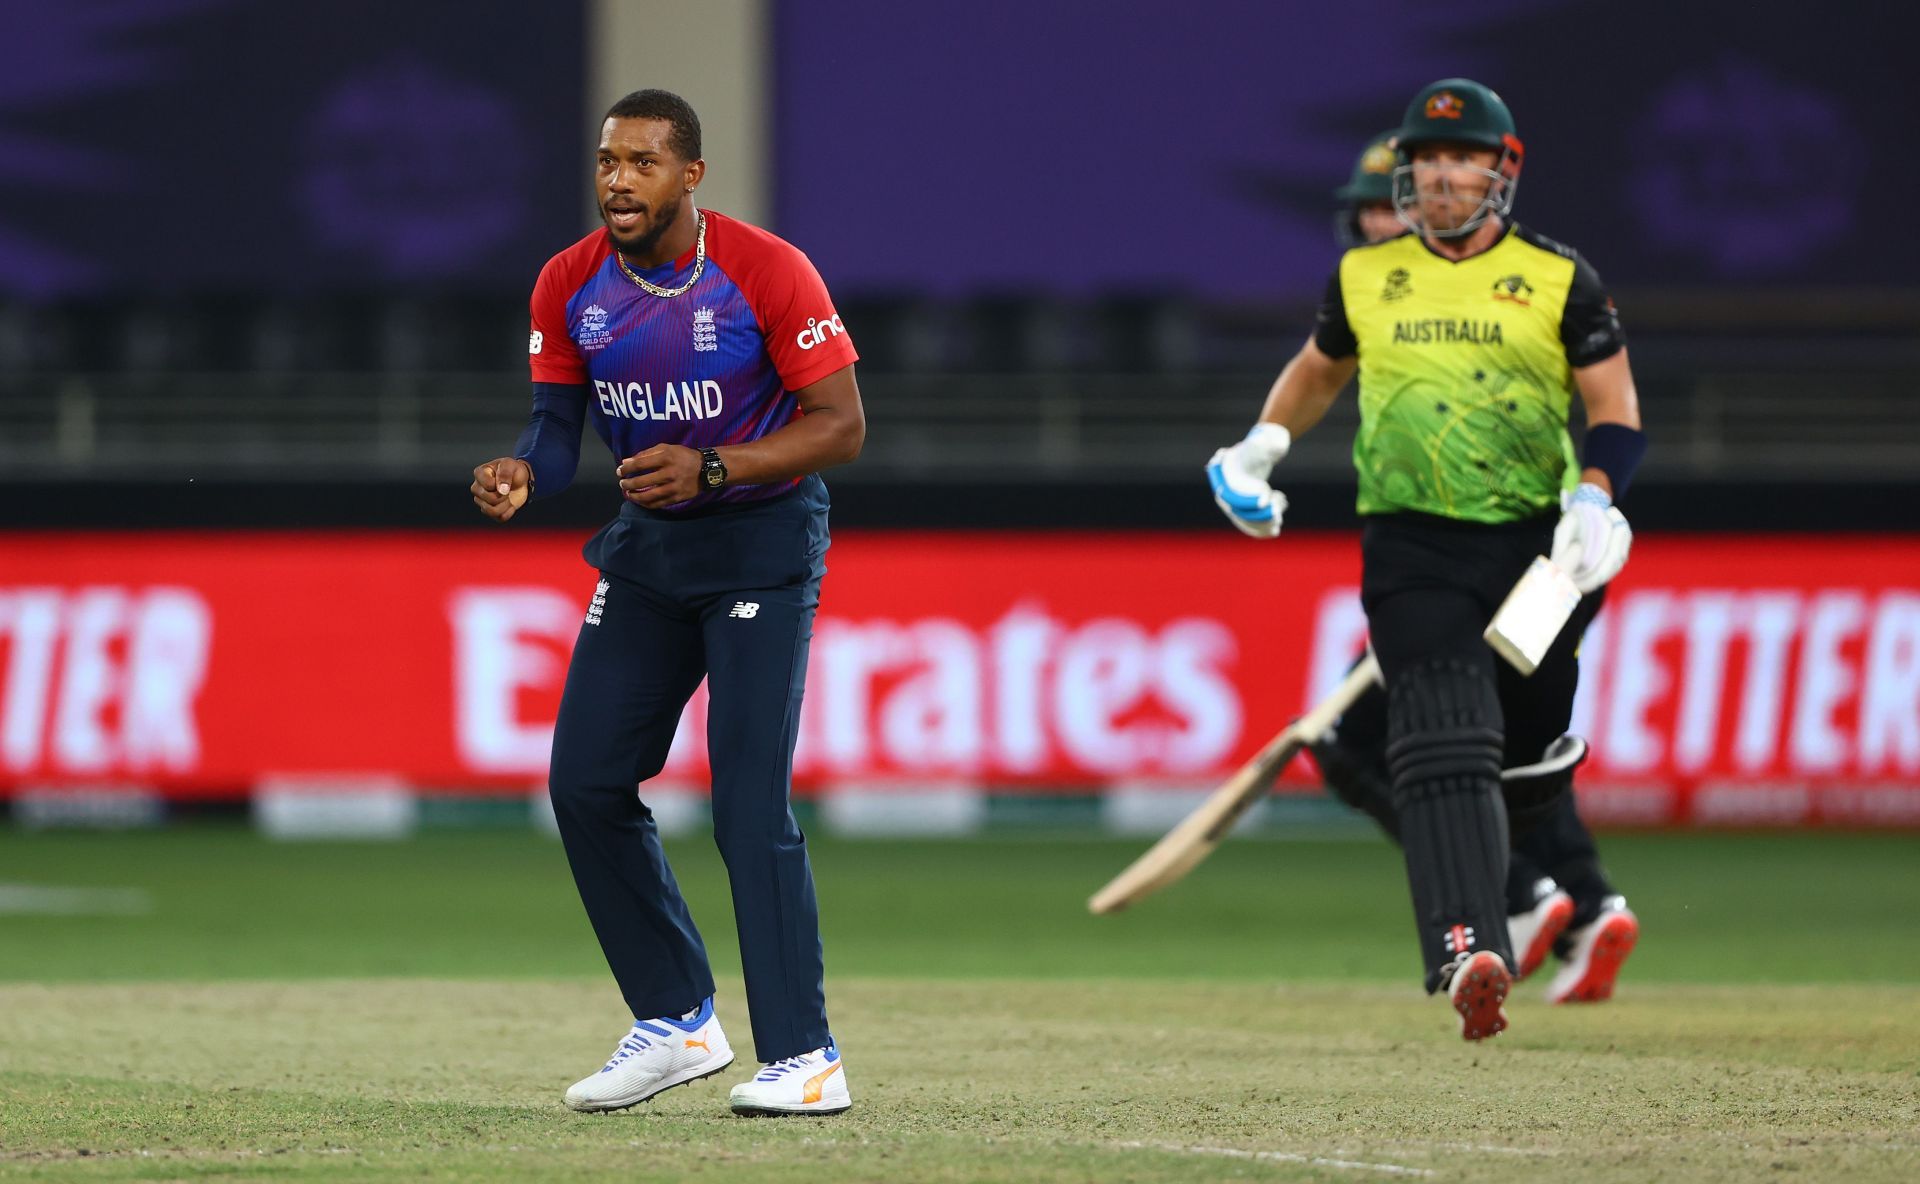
x,y
1470,337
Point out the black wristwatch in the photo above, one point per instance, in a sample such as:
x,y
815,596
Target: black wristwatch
x,y
713,470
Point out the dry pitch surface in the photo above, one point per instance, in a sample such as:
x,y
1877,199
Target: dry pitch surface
x,y
157,1045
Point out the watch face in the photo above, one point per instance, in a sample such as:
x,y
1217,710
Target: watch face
x,y
715,475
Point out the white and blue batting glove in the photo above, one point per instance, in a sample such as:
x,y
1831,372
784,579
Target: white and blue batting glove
x,y
1593,538
1239,479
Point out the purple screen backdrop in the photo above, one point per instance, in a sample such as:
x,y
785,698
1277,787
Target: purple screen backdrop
x,y
165,145
1074,145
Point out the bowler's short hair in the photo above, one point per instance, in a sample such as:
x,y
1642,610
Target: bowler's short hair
x,y
663,104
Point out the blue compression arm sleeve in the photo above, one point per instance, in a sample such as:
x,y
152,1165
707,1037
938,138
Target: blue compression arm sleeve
x,y
551,442
1615,449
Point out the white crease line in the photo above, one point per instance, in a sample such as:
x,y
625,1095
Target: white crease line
x,y
38,899
1487,1147
1318,1161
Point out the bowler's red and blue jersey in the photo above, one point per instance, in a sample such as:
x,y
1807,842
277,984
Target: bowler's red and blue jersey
x,y
718,364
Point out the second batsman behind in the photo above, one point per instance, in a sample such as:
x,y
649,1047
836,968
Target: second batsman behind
x,y
1559,898
1470,337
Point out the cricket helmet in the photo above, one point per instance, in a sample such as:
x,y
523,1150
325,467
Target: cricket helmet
x,y
1459,111
1371,183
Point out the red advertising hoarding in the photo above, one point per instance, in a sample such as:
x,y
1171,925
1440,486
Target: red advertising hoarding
x,y
1731,679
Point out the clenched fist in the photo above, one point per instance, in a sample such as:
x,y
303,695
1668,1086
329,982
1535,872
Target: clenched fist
x,y
501,487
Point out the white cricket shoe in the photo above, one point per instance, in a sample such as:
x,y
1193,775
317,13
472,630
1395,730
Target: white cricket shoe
x,y
657,1055
1594,953
811,1083
1480,985
1533,932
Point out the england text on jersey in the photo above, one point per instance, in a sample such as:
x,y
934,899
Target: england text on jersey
x,y
674,400
718,364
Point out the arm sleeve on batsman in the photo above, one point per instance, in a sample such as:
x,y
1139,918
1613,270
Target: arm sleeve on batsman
x,y
1331,330
1593,539
1589,324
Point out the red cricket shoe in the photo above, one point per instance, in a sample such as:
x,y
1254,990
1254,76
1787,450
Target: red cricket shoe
x,y
1595,953
1479,987
1533,932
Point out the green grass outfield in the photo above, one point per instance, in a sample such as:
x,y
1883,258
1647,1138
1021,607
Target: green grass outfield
x,y
253,1010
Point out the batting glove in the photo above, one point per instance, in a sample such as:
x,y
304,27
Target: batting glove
x,y
1239,479
1593,538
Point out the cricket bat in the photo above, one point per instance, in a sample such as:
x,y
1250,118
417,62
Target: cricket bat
x,y
1522,632
1181,849
1532,615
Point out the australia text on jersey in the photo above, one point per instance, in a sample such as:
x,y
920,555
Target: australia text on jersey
x,y
1441,331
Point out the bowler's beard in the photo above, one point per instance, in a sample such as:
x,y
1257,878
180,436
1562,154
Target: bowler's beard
x,y
643,242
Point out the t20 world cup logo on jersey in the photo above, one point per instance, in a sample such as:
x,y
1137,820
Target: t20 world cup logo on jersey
x,y
594,333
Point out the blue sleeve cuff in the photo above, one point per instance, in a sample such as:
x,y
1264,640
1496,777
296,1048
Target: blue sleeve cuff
x,y
1615,449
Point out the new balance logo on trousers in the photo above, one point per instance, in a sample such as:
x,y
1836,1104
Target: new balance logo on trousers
x,y
744,609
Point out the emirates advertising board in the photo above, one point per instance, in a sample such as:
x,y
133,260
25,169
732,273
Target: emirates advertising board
x,y
1731,680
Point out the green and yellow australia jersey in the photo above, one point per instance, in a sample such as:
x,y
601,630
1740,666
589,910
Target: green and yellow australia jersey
x,y
1466,371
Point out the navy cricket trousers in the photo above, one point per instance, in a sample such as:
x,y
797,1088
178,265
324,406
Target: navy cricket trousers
x,y
728,595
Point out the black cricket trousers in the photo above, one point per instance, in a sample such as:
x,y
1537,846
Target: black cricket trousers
x,y
1429,586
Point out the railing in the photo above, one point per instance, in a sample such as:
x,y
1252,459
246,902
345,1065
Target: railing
x,y
1797,420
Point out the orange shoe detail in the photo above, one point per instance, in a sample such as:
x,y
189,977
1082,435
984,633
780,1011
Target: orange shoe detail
x,y
811,1093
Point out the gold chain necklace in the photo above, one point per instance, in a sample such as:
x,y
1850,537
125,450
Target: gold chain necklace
x,y
699,265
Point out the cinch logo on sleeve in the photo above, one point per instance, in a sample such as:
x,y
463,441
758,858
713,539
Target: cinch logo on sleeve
x,y
818,331
535,340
